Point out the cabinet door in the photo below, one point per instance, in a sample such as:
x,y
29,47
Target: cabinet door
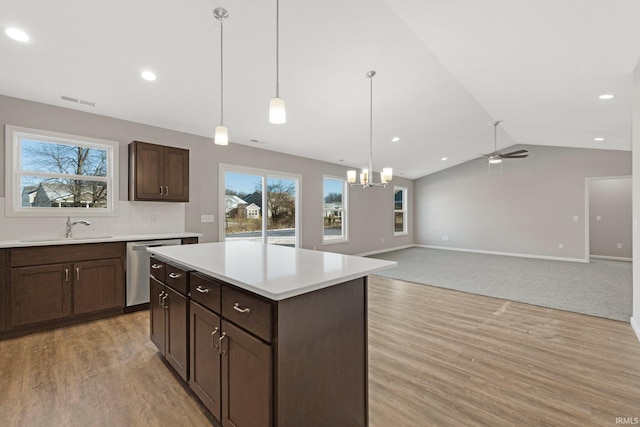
x,y
149,171
156,314
98,285
176,174
204,376
246,379
38,294
177,341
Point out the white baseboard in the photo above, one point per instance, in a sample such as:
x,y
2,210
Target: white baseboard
x,y
381,251
613,258
504,253
636,327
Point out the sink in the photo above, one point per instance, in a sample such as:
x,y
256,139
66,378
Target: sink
x,y
62,239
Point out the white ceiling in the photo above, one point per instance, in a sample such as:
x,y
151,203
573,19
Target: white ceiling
x,y
444,68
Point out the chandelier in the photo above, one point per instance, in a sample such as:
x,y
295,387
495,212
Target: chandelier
x,y
366,176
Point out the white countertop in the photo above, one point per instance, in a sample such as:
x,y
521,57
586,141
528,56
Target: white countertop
x,y
275,272
34,241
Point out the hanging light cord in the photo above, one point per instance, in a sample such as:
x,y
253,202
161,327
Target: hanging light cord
x,y
221,74
277,48
371,74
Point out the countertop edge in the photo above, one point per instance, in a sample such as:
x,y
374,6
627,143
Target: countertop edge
x,y
88,239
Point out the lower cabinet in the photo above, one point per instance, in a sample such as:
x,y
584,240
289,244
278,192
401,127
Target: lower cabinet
x,y
169,325
230,370
50,292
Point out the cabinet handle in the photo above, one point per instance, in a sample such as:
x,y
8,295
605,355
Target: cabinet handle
x,y
223,336
174,275
165,306
156,266
161,190
213,338
77,273
160,298
202,290
236,307
166,190
66,274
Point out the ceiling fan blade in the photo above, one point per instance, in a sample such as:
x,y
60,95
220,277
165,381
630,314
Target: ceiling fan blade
x,y
516,152
521,156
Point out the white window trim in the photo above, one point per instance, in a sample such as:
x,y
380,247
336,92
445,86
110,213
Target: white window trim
x,y
225,167
405,213
345,211
13,205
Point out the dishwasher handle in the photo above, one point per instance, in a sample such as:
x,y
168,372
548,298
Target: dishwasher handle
x,y
143,246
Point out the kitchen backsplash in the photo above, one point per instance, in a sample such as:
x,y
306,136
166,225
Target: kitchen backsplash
x,y
131,218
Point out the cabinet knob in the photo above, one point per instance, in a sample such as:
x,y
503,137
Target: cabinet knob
x,y
237,307
202,290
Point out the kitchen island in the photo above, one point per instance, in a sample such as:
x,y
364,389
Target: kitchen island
x,y
277,335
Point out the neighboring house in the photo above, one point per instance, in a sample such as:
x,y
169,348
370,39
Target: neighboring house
x,y
234,207
333,210
253,211
54,195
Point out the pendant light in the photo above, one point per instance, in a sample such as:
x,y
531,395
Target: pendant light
x,y
277,113
221,136
366,176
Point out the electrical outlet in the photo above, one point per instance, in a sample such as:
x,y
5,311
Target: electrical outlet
x,y
445,237
598,218
561,245
382,239
619,245
575,217
154,217
207,218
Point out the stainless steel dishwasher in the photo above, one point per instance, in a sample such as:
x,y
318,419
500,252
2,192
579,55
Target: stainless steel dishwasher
x,y
138,270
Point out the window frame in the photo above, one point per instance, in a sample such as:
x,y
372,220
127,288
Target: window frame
x,y
344,210
223,168
13,172
404,211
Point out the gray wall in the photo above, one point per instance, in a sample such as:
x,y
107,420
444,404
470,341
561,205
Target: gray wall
x,y
610,217
371,210
528,209
635,136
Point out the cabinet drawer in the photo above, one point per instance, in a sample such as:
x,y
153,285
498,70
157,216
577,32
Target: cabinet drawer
x,y
205,291
177,278
247,311
157,269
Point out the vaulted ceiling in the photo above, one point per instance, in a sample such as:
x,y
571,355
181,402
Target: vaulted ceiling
x,y
445,69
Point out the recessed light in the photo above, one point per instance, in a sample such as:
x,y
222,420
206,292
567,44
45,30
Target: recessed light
x,y
607,96
395,139
444,159
148,75
17,34
599,138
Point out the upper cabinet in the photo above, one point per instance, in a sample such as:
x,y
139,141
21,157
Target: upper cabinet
x,y
158,173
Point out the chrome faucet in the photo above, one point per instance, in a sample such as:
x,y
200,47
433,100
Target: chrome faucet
x,y
71,224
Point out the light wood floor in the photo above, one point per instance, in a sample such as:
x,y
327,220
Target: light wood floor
x,y
437,358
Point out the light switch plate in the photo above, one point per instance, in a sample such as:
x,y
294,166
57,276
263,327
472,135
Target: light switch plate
x,y
207,218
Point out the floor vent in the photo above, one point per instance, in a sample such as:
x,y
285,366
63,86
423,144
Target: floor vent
x,y
68,98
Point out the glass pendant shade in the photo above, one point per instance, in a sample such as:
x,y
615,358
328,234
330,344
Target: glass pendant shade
x,y
351,177
386,175
221,136
277,113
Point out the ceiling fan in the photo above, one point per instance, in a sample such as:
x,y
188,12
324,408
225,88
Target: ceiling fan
x,y
497,157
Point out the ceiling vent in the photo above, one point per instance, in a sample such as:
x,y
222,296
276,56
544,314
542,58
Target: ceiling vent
x,y
75,100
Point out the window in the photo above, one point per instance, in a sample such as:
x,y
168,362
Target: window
x,y
334,217
259,205
53,174
400,211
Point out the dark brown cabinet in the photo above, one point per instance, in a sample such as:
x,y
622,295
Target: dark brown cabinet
x,y
158,173
169,316
230,367
45,285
